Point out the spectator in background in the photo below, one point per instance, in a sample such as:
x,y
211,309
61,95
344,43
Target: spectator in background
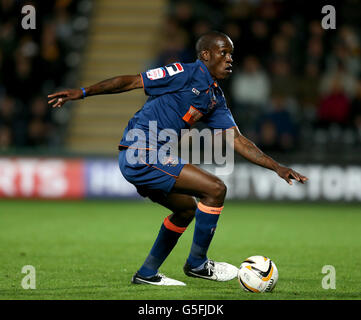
x,y
8,36
276,130
36,133
308,91
8,111
342,76
279,49
12,118
239,11
347,51
168,29
63,25
287,30
7,9
315,30
334,106
184,15
40,124
269,11
6,140
175,48
200,27
257,40
251,84
352,42
51,63
315,53
250,87
20,74
283,81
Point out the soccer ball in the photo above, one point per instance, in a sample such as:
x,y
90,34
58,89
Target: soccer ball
x,y
258,274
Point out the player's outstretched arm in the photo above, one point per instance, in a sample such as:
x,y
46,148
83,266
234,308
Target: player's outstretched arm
x,y
252,153
114,85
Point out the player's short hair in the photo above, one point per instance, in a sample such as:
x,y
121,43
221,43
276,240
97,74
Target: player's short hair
x,y
206,41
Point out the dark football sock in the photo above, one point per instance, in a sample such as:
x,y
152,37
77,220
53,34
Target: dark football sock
x,y
167,238
206,223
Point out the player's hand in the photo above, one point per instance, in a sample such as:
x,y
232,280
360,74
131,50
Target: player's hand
x,y
288,174
59,98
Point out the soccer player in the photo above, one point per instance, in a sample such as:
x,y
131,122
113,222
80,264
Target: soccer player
x,y
180,95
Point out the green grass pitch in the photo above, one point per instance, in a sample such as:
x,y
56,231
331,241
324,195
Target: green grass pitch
x,y
90,249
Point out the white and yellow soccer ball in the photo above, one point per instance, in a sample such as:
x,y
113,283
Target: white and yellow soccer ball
x,y
258,274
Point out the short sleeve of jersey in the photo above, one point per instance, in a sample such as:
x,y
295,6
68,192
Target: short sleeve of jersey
x,y
166,79
221,118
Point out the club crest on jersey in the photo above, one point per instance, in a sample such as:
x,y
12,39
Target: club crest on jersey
x,y
192,115
155,74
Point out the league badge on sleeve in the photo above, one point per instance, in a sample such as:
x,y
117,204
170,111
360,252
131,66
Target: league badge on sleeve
x,y
155,74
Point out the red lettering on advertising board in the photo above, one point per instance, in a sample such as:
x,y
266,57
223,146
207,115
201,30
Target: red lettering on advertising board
x,y
41,178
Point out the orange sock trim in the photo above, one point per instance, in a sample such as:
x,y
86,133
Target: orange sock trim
x,y
171,226
210,210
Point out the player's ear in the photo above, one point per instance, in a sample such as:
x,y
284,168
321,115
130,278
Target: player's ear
x,y
205,55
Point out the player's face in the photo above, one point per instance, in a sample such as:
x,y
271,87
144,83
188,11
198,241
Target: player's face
x,y
220,58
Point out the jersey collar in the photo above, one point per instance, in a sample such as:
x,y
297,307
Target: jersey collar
x,y
204,69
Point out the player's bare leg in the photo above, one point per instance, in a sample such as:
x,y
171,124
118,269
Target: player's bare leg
x,y
211,192
199,183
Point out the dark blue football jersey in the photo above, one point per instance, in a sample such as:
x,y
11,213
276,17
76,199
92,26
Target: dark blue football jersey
x,y
179,96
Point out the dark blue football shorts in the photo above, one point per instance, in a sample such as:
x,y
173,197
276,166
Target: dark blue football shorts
x,y
148,175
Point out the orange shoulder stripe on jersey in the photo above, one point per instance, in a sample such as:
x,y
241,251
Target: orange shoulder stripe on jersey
x,y
171,226
210,210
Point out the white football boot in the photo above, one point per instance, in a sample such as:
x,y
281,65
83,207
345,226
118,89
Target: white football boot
x,y
158,280
212,270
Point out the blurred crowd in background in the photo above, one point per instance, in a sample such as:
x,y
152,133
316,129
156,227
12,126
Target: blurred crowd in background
x,y
32,64
295,86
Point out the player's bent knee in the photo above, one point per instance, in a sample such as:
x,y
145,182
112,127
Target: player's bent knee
x,y
218,191
221,190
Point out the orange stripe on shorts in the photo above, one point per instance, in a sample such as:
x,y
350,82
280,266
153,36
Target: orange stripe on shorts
x,y
210,210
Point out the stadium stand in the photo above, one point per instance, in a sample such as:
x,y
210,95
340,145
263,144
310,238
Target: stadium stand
x,y
307,78
34,62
